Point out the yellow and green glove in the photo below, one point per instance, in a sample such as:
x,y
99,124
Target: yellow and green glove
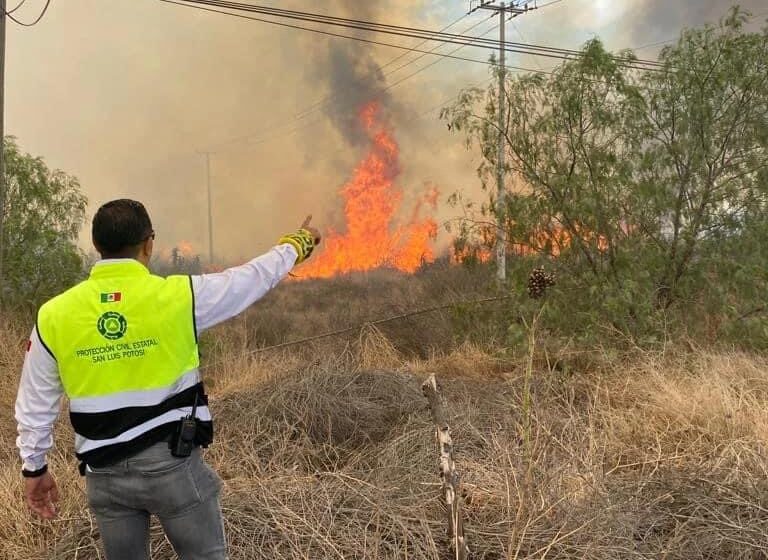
x,y
303,241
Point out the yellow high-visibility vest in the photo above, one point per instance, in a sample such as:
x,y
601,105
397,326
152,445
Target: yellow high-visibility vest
x,y
126,347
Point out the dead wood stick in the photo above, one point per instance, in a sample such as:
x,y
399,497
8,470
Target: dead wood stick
x,y
448,473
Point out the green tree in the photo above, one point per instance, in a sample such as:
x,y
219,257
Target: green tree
x,y
704,160
43,213
636,179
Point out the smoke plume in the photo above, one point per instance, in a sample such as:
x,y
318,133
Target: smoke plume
x,y
351,72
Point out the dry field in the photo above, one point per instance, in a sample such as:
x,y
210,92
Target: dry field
x,y
327,451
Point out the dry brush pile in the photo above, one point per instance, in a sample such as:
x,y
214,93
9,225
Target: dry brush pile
x,y
328,452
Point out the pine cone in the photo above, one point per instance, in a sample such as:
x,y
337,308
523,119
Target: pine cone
x,y
538,282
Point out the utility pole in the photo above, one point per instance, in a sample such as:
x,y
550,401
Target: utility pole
x,y
3,189
501,190
210,210
514,9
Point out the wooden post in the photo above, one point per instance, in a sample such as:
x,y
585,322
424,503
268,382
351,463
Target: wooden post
x,y
451,480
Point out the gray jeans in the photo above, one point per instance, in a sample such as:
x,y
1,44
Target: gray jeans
x,y
182,493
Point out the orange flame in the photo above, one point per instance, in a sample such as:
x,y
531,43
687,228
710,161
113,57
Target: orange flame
x,y
552,242
186,249
371,202
471,253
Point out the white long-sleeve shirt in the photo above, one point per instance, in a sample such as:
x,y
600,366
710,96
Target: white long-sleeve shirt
x,y
218,297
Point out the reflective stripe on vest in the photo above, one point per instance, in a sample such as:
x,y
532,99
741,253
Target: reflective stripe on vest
x,y
85,445
127,354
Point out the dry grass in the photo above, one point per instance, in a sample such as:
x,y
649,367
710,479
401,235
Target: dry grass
x,y
327,451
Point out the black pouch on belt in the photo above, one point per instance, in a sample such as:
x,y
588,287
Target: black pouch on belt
x,y
184,440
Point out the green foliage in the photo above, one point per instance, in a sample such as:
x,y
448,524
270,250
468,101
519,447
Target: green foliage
x,y
646,189
44,212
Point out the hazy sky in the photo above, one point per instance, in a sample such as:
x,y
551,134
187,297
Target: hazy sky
x,y
125,93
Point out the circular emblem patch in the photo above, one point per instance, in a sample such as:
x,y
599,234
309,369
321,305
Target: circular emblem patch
x,y
112,325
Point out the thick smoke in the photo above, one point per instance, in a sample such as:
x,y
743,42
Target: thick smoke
x,y
354,79
351,73
661,20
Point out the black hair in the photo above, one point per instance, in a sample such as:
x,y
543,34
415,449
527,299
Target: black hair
x,y
120,227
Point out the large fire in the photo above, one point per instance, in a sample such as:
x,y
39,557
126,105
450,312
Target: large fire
x,y
371,204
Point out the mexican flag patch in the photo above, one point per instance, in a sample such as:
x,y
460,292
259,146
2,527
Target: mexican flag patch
x,y
111,298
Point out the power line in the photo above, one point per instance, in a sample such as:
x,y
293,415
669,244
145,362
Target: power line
x,y
40,17
298,128
408,50
434,62
520,48
19,5
378,27
324,102
513,69
287,132
394,29
443,44
446,28
419,116
359,327
378,91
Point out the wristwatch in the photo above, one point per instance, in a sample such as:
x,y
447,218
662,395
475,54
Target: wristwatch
x,y
34,474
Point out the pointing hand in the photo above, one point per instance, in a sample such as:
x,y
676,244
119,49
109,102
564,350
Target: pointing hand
x,y
314,231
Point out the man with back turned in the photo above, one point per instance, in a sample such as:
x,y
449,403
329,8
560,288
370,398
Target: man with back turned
x,y
123,347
